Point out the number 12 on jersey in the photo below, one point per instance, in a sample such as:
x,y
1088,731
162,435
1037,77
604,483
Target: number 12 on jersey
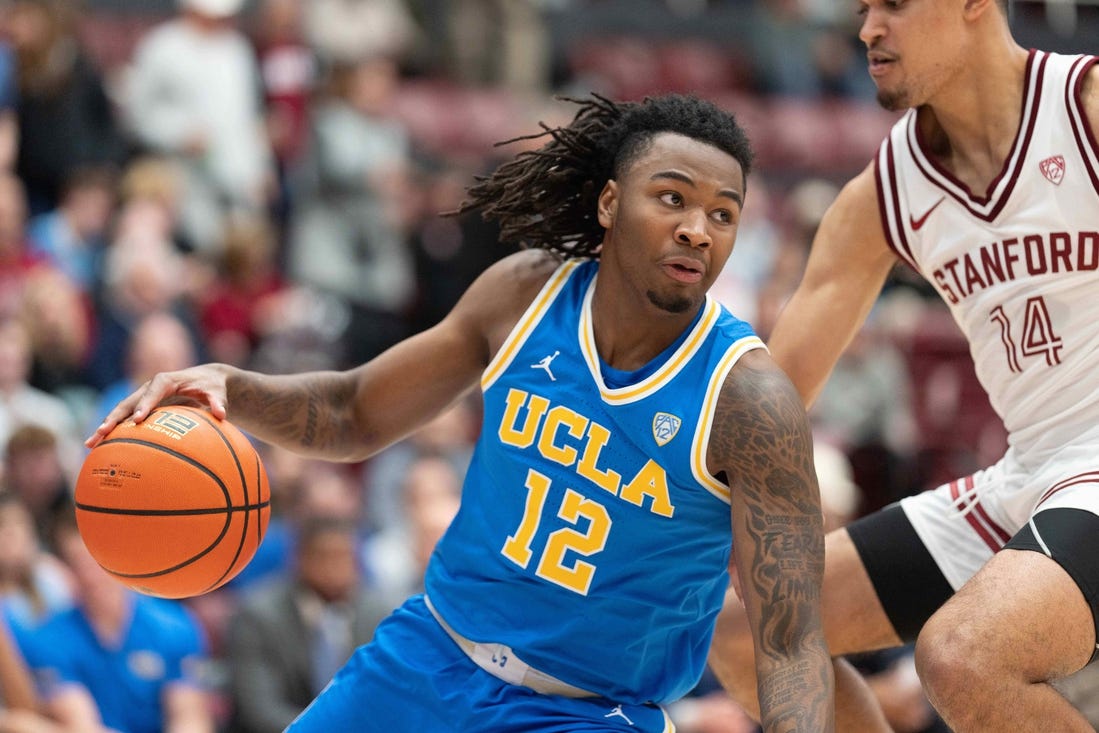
x,y
552,565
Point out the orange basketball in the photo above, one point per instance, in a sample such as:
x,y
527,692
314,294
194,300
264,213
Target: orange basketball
x,y
174,506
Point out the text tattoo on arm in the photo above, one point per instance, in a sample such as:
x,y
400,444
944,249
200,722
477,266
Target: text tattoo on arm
x,y
762,440
313,412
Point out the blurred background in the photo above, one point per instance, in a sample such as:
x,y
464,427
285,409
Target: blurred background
x,y
260,182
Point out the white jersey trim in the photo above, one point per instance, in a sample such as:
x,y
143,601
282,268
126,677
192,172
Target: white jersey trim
x,y
1086,139
889,203
986,207
667,371
701,444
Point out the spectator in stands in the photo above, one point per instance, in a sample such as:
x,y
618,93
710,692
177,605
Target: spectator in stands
x,y
19,709
23,404
9,98
288,639
286,474
73,235
450,251
33,582
288,66
65,118
450,436
866,407
396,557
349,237
159,341
247,298
144,273
16,258
796,57
117,659
195,97
35,475
58,319
343,32
498,43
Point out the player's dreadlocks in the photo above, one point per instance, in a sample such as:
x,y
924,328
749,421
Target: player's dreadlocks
x,y
547,198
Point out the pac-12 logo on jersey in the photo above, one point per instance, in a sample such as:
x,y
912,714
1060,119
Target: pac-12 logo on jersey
x,y
1053,168
665,427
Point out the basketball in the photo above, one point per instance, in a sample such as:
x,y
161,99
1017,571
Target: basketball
x,y
174,506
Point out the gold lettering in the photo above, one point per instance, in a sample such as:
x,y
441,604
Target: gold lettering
x,y
558,416
523,437
609,480
650,481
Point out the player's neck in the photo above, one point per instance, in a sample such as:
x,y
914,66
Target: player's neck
x,y
629,338
971,123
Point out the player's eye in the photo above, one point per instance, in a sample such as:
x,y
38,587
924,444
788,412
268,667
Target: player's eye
x,y
671,198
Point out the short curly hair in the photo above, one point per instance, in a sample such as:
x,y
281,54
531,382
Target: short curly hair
x,y
547,198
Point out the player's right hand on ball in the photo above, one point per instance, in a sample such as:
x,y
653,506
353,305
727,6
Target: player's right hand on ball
x,y
202,385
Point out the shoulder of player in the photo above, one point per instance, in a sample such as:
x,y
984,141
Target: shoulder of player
x,y
757,402
513,281
852,226
857,201
500,295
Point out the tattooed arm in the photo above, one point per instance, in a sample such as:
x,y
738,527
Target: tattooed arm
x,y
762,443
353,414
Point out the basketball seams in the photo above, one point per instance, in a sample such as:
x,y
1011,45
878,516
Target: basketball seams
x,y
183,457
237,517
244,487
170,512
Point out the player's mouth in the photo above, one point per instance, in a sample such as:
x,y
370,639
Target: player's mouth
x,y
683,269
880,63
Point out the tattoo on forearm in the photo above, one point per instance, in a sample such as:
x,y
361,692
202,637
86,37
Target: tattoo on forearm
x,y
312,412
761,438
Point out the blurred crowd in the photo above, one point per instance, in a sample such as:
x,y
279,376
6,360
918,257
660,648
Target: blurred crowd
x,y
262,184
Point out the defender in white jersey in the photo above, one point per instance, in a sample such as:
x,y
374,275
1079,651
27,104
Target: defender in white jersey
x,y
634,435
989,187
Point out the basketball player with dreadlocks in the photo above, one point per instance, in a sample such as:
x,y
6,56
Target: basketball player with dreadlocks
x,y
989,187
634,433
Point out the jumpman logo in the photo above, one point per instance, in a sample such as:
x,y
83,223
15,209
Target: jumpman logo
x,y
545,364
616,712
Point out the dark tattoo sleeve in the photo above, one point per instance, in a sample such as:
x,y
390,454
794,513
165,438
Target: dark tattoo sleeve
x,y
761,440
311,413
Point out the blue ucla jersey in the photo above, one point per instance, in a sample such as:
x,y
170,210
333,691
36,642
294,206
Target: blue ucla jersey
x,y
592,538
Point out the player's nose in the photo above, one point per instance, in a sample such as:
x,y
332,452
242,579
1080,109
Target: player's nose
x,y
692,229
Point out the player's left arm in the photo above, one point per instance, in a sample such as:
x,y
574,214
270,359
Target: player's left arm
x,y
762,443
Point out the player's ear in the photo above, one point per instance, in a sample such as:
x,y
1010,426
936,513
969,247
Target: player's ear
x,y
608,204
975,8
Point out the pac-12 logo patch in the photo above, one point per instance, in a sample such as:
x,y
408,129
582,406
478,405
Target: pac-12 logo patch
x,y
1053,168
665,427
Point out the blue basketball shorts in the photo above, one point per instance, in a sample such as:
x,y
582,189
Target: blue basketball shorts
x,y
413,677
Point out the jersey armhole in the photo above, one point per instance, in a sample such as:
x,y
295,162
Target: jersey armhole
x,y
701,444
889,206
526,323
1086,136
